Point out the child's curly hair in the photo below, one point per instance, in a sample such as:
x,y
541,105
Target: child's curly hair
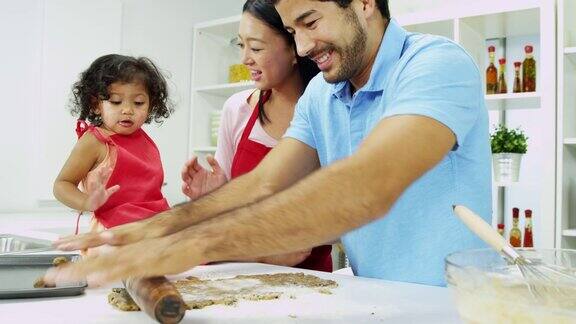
x,y
93,84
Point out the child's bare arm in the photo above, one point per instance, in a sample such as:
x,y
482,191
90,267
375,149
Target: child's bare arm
x,y
86,154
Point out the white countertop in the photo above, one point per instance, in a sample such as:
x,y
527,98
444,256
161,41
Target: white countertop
x,y
356,300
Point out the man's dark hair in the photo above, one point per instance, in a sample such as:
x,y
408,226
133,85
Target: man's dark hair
x,y
382,5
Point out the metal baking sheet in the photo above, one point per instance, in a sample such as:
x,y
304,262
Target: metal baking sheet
x,y
13,243
19,272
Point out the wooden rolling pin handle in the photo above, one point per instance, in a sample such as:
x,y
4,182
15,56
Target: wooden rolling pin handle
x,y
479,226
158,298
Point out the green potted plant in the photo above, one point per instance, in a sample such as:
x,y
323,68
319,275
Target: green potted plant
x,y
508,145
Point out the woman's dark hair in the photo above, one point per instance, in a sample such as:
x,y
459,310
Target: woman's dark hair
x,y
93,84
264,10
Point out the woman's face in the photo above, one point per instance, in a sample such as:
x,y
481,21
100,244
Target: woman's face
x,y
270,59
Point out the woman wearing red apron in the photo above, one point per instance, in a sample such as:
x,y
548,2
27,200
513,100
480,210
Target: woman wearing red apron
x,y
253,121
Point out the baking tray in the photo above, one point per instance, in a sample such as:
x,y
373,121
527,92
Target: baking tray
x,y
13,243
19,272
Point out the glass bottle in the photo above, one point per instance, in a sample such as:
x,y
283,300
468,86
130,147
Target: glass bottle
x,y
501,229
515,233
502,88
529,71
517,82
491,73
528,239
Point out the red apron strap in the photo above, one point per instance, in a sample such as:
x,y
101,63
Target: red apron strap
x,y
82,127
255,113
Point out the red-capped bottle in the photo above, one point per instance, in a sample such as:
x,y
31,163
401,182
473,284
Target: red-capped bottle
x,y
515,233
502,88
529,70
517,83
501,229
491,73
528,238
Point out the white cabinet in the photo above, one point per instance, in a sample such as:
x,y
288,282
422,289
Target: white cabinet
x,y
213,53
566,165
519,22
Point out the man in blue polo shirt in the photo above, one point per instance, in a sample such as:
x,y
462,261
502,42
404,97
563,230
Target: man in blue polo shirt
x,y
384,141
413,79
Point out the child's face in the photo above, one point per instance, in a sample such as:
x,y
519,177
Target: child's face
x,y
127,108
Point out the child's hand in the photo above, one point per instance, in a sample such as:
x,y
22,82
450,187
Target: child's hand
x,y
199,181
97,192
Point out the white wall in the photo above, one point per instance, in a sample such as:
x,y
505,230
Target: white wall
x,y
20,36
161,30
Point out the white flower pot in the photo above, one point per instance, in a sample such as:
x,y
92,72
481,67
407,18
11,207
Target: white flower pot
x,y
506,166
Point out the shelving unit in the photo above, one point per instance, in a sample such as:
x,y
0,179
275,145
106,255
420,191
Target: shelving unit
x,y
570,141
569,233
213,53
226,89
507,101
470,25
566,154
520,22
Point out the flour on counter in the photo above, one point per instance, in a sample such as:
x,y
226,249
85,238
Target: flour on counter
x,y
199,293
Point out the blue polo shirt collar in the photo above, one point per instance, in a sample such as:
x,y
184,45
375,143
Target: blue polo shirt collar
x,y
389,53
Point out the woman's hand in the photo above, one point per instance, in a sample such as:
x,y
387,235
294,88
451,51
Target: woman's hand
x,y
199,181
97,192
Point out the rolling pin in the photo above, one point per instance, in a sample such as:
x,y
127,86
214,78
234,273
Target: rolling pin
x,y
158,298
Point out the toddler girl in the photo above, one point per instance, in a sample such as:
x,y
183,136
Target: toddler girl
x,y
117,163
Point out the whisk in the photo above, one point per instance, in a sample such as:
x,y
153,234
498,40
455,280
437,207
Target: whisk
x,y
542,279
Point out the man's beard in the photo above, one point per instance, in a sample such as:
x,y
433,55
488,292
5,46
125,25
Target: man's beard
x,y
350,55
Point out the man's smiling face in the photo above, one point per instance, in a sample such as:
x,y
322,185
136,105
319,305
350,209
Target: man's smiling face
x,y
330,35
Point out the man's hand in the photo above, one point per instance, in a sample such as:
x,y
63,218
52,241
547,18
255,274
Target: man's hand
x,y
119,235
97,192
146,258
198,181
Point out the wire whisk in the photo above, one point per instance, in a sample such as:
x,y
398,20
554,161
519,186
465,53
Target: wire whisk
x,y
544,281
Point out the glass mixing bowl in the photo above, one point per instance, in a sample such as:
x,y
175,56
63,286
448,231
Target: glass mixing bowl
x,y
487,289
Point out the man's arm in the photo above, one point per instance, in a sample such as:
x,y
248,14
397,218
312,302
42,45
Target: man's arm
x,y
287,163
334,200
320,208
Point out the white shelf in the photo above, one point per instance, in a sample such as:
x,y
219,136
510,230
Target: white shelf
x,y
570,141
226,89
205,149
569,232
517,22
220,27
525,100
566,131
570,53
505,184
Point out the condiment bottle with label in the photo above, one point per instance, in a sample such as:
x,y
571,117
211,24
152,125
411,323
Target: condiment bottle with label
x,y
515,233
529,70
491,73
501,229
517,83
528,239
502,88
